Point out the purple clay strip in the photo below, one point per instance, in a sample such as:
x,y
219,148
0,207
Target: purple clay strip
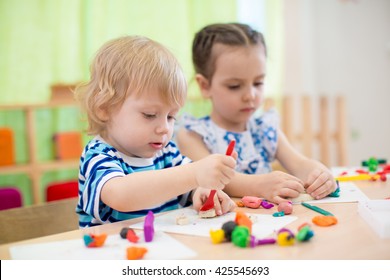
x,y
287,230
149,227
265,204
266,241
252,242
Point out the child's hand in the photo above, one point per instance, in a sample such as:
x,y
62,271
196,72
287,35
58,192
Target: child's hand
x,y
281,186
320,183
222,202
214,171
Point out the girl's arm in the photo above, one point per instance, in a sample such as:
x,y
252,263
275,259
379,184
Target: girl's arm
x,y
316,177
191,144
274,186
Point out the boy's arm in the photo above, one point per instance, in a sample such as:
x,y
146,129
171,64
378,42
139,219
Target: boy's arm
x,y
141,190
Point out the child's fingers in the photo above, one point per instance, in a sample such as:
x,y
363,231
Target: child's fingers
x,y
324,190
319,180
235,154
228,205
323,185
277,199
197,199
288,192
224,204
294,185
217,205
313,177
287,176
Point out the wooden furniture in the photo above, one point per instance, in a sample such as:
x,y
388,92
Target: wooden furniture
x,y
38,220
34,168
314,126
351,238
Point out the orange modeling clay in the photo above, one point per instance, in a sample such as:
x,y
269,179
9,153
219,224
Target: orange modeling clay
x,y
240,203
136,253
243,220
324,221
93,240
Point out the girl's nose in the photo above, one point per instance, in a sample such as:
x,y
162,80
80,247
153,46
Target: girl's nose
x,y
250,94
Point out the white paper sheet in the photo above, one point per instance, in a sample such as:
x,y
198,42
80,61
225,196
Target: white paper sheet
x,y
349,192
263,227
163,247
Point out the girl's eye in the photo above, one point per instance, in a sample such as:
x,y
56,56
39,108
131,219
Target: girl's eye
x,y
258,84
234,87
149,116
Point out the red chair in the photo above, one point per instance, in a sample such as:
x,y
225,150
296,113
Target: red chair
x,y
10,197
62,190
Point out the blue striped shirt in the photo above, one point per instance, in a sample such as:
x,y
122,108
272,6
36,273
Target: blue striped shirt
x,y
101,162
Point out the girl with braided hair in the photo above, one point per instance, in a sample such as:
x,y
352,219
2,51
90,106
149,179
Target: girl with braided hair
x,y
230,65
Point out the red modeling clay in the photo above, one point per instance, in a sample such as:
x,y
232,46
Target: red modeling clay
x,y
131,236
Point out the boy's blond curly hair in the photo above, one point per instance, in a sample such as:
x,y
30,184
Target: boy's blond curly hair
x,y
124,66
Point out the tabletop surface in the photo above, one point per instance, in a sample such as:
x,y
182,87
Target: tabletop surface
x,y
352,238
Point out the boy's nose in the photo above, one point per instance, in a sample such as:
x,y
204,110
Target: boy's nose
x,y
163,127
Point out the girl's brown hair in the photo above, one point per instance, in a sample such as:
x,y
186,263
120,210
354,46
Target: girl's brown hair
x,y
229,34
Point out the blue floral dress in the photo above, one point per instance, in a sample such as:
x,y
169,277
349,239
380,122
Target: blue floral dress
x,y
256,147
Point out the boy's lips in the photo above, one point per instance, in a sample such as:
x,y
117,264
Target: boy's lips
x,y
156,145
247,110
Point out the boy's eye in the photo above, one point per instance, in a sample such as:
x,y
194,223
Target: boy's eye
x,y
149,116
233,87
172,118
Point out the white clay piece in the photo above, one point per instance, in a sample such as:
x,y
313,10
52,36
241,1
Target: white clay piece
x,y
208,213
302,198
182,220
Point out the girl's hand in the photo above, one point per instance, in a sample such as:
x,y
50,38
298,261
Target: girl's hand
x,y
320,183
281,186
214,171
222,202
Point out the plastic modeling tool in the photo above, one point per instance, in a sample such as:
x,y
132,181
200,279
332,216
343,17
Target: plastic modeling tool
x,y
207,210
230,148
359,177
209,204
317,209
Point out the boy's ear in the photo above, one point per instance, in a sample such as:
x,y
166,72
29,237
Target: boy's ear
x,y
102,114
203,84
